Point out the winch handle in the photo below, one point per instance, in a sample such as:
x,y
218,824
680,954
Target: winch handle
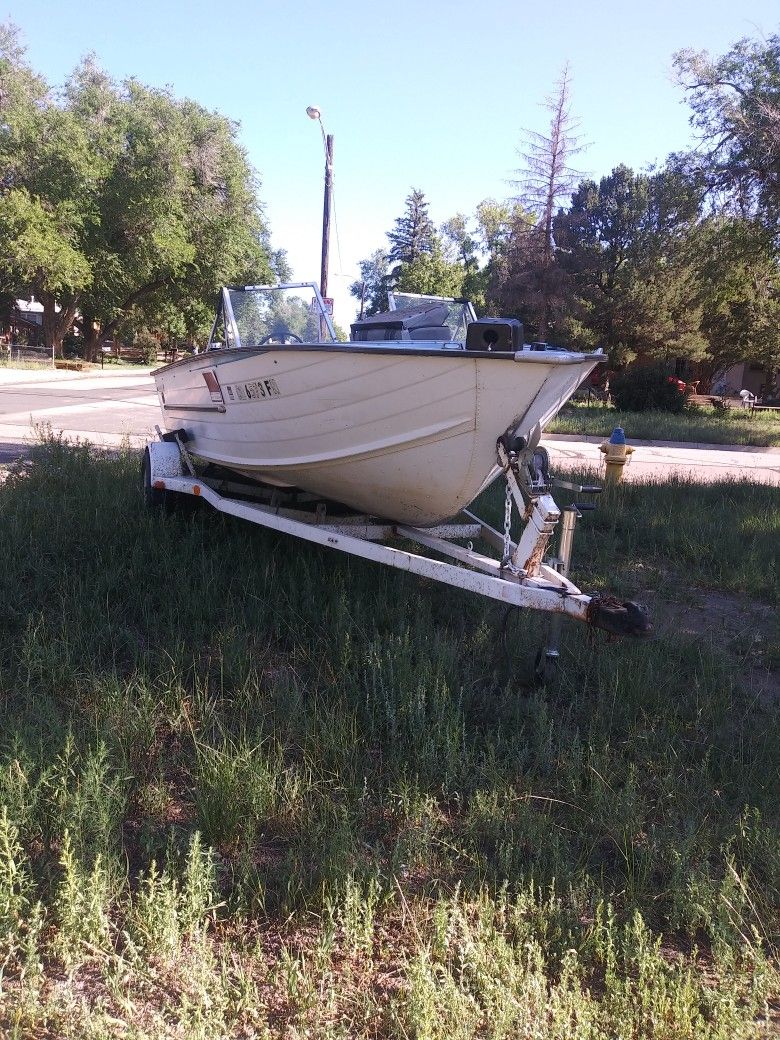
x,y
579,489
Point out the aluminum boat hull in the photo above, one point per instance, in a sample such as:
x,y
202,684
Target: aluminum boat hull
x,y
408,434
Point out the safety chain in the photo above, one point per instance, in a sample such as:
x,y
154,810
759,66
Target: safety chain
x,y
506,561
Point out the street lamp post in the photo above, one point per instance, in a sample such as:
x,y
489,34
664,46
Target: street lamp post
x,y
327,140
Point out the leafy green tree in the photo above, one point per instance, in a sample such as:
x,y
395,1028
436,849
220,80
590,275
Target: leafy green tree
x,y
495,221
116,200
735,102
736,110
179,211
48,174
461,247
519,277
372,286
740,286
458,246
624,246
494,226
432,274
597,237
417,251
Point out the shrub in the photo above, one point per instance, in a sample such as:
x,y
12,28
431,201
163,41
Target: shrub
x,y
647,387
146,342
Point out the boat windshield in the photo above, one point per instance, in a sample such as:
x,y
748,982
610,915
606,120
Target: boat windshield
x,y
285,314
459,312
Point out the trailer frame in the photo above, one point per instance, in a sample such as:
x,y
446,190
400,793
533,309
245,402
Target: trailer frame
x,y
524,577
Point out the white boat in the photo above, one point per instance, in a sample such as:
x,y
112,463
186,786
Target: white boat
x,y
401,422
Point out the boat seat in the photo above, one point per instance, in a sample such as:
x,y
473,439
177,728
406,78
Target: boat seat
x,y
404,324
378,334
442,333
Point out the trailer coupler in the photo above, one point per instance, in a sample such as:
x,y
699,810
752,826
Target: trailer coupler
x,y
618,617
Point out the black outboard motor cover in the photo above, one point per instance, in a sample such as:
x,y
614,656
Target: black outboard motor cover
x,y
504,334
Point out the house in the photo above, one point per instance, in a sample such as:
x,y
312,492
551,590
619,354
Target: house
x,y
746,375
23,322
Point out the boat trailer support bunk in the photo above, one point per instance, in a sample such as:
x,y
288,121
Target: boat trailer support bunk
x,y
522,578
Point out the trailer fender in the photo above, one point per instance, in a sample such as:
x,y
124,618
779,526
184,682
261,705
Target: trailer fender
x,y
164,461
161,461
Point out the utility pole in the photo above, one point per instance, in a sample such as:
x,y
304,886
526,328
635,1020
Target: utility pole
x,y
327,140
326,215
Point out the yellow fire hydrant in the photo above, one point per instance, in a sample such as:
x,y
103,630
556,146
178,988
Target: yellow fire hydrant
x,y
616,453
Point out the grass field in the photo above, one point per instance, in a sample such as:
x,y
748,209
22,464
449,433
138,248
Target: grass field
x,y
86,366
251,788
699,424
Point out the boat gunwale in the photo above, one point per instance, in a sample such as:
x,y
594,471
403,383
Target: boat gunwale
x,y
526,356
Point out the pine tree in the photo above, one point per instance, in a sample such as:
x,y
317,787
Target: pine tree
x,y
414,233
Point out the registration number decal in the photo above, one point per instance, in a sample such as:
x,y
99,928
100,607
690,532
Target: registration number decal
x,y
257,390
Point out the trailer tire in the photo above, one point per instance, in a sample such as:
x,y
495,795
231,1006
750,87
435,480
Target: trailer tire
x,y
155,499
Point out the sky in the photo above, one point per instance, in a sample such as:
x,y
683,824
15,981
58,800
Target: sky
x,y
431,94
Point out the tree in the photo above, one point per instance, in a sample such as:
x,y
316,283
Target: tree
x,y
596,236
47,179
516,271
417,251
457,244
462,248
531,269
736,110
494,225
120,199
431,274
623,244
495,221
413,233
179,215
740,284
372,285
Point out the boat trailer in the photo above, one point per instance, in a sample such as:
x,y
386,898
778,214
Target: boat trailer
x,y
521,576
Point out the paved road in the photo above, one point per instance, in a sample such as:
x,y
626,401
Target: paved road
x,y
107,408
113,407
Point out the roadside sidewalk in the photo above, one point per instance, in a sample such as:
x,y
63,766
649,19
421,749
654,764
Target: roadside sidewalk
x,y
589,438
13,376
660,460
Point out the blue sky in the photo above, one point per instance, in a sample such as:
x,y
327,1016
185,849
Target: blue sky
x,y
432,95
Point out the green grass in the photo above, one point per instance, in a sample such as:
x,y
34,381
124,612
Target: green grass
x,y
718,536
698,424
249,787
35,366
46,366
